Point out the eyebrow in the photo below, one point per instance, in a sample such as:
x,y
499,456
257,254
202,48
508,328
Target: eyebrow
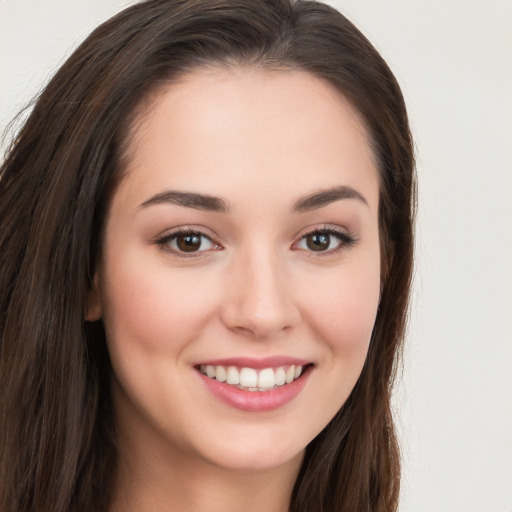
x,y
326,197
216,204
189,200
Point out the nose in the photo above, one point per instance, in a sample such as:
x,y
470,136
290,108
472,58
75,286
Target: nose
x,y
258,297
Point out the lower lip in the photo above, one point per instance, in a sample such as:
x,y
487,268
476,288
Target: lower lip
x,y
256,401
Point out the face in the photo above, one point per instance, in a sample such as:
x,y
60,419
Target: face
x,y
240,270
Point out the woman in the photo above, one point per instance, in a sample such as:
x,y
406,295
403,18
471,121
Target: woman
x,y
206,229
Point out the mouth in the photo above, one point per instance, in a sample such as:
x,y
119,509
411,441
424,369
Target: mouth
x,y
253,379
255,386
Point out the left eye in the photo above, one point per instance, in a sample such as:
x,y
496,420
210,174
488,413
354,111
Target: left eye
x,y
189,242
323,241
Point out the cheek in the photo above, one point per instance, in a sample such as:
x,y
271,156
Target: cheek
x,y
151,309
341,319
151,316
343,312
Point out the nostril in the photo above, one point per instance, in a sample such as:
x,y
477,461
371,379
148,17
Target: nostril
x,y
259,324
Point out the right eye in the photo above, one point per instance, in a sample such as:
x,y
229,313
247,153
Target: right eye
x,y
186,243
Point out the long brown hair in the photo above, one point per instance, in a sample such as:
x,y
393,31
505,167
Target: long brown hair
x,y
57,440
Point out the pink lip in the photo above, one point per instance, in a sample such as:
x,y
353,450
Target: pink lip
x,y
256,401
257,364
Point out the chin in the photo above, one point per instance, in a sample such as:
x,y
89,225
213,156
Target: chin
x,y
254,459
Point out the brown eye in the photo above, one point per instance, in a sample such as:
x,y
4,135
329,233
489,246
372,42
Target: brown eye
x,y
184,243
188,242
318,241
327,240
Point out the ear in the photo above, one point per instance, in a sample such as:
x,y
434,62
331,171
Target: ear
x,y
93,310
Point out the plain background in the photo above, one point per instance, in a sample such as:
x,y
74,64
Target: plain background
x,y
453,60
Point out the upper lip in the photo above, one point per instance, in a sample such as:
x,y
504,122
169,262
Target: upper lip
x,y
256,363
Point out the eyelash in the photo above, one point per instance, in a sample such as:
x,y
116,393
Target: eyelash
x,y
345,240
164,242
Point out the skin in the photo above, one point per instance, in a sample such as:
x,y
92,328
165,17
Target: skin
x,y
260,140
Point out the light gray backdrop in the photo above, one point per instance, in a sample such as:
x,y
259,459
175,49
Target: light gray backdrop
x,y
452,58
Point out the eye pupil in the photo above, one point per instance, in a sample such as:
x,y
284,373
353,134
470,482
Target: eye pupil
x,y
188,243
317,242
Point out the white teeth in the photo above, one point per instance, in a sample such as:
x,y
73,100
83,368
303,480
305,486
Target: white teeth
x,y
248,378
280,376
233,377
220,373
266,378
251,379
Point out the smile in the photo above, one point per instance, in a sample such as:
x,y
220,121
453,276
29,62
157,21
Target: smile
x,y
251,379
255,385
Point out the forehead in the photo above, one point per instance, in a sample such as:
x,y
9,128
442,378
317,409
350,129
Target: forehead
x,y
215,127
